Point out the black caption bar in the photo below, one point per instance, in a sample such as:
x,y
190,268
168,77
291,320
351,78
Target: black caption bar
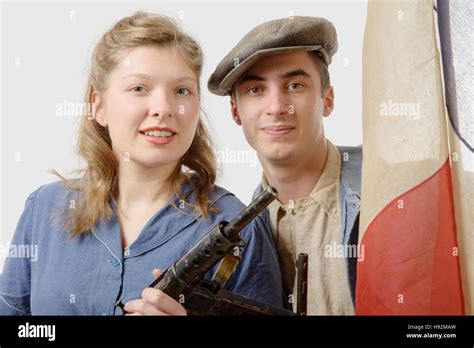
x,y
411,330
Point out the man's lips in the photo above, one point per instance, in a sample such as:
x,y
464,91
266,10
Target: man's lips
x,y
278,130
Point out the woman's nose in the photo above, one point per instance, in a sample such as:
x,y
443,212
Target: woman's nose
x,y
161,106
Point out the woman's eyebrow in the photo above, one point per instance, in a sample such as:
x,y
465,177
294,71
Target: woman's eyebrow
x,y
148,77
184,78
144,76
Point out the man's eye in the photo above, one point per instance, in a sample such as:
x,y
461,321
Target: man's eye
x,y
254,90
183,91
295,85
139,89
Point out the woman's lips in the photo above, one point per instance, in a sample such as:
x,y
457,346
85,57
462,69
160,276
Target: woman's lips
x,y
158,140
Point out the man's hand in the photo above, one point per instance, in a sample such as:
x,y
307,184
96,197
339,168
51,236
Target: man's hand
x,y
154,302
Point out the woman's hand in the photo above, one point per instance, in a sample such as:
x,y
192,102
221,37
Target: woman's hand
x,y
154,302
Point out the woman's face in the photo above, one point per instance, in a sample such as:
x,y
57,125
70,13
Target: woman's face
x,y
151,106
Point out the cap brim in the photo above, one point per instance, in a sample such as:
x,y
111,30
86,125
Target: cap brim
x,y
231,78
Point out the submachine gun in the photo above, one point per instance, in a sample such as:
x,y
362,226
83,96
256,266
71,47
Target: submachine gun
x,y
184,279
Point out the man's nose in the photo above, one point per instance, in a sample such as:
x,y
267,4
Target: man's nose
x,y
277,105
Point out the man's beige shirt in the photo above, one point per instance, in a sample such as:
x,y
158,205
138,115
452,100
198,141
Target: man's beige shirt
x,y
312,225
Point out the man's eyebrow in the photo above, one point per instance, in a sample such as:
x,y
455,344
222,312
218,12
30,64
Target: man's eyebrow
x,y
293,73
251,78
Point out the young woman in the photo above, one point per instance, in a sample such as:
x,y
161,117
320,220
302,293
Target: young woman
x,y
146,196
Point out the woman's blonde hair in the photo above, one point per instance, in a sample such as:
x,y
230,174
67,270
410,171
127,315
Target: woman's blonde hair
x,y
98,183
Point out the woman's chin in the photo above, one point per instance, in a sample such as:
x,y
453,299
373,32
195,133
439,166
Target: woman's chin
x,y
158,163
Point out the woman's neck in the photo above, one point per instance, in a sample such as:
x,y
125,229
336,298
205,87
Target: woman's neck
x,y
143,187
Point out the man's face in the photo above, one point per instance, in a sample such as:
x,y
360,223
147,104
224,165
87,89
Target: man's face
x,y
279,103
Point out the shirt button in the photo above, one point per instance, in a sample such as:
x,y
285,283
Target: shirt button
x,y
115,262
291,206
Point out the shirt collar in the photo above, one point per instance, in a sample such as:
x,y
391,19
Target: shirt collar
x,y
170,221
326,190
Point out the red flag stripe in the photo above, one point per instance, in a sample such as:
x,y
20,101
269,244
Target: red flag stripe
x,y
410,263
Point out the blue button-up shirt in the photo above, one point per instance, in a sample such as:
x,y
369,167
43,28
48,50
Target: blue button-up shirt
x,y
86,275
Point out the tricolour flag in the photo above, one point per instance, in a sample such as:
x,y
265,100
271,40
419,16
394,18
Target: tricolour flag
x,y
416,223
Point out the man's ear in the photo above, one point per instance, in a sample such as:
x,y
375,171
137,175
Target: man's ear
x,y
235,112
328,102
97,110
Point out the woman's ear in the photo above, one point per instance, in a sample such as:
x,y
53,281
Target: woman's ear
x,y
235,112
97,110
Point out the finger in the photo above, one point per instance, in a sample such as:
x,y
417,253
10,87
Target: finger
x,y
163,302
156,272
142,307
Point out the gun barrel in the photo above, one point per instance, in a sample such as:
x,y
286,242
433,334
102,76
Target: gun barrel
x,y
302,284
186,273
232,229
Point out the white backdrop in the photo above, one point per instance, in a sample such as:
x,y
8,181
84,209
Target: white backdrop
x,y
46,49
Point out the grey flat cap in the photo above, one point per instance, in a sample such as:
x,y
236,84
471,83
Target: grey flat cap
x,y
277,36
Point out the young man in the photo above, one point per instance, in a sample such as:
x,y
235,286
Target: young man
x,y
278,81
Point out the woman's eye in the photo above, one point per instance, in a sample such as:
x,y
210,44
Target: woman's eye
x,y
295,85
183,91
139,89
